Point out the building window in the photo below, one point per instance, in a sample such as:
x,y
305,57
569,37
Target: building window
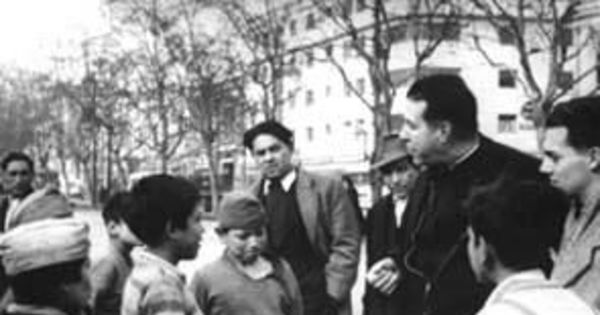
x,y
310,134
292,99
329,50
328,90
566,37
310,97
360,86
435,31
347,49
507,78
564,79
361,5
347,89
398,33
293,27
506,36
507,123
360,42
310,58
310,21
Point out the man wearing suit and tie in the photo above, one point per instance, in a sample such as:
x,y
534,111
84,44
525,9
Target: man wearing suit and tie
x,y
311,222
571,145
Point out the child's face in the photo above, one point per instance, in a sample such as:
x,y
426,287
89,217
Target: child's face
x,y
245,245
188,239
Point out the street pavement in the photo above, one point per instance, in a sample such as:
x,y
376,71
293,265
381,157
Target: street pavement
x,y
210,249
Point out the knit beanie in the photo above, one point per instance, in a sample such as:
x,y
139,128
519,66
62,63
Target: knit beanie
x,y
241,210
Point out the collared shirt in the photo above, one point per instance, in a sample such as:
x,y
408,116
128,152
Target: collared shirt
x,y
465,155
399,207
286,182
530,293
156,286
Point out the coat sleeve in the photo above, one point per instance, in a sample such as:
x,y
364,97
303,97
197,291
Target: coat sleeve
x,y
344,249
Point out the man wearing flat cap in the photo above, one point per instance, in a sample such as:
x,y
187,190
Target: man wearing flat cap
x,y
382,229
311,222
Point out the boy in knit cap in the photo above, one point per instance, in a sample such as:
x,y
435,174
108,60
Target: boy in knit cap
x,y
167,219
47,267
245,279
110,271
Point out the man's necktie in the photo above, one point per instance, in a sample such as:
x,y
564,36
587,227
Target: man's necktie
x,y
276,203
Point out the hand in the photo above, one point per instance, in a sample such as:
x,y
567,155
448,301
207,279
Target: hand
x,y
384,276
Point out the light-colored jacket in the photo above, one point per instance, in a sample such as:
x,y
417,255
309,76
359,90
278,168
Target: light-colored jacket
x,y
332,229
577,264
529,293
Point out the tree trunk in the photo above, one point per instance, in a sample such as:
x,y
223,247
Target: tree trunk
x,y
109,159
213,171
94,170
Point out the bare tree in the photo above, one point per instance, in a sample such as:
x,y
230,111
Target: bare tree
x,y
538,27
428,23
155,94
260,29
212,85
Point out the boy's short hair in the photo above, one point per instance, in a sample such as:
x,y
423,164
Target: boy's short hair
x,y
581,117
522,220
119,207
161,200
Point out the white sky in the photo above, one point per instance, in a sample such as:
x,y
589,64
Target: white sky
x,y
33,31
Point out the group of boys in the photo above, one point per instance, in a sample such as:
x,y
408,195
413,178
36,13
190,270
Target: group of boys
x,y
470,227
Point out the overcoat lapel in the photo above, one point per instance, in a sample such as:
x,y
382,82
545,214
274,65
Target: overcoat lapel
x,y
577,255
308,204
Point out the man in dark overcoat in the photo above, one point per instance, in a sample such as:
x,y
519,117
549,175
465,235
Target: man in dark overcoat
x,y
442,136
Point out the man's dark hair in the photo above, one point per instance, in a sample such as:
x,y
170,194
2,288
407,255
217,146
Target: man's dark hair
x,y
119,207
521,220
41,286
272,128
581,117
448,99
161,200
17,156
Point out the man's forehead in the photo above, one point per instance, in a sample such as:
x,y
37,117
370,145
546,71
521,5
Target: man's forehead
x,y
17,164
412,108
555,137
265,140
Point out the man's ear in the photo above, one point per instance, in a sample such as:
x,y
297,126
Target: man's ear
x,y
594,155
112,228
445,131
171,230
